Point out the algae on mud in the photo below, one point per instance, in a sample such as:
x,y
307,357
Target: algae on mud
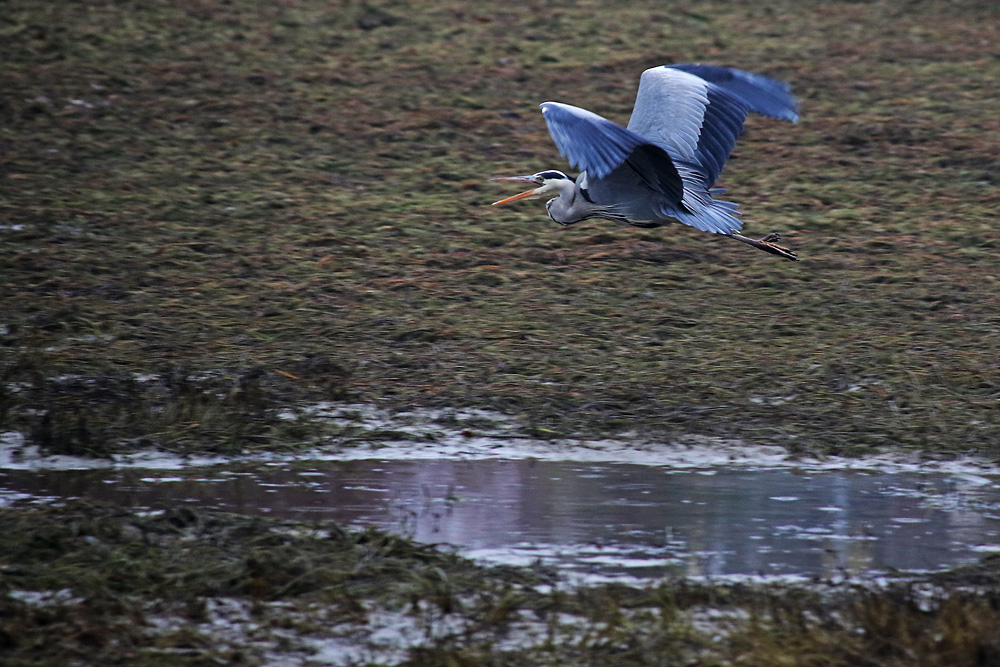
x,y
214,211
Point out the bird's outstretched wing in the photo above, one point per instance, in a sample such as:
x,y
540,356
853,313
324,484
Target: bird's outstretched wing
x,y
590,142
764,95
692,119
598,146
696,112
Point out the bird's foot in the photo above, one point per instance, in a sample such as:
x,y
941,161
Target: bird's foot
x,y
767,244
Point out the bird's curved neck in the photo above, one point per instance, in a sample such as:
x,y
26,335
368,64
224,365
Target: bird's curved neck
x,y
570,205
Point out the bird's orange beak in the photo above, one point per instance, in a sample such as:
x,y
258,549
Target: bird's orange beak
x,y
527,194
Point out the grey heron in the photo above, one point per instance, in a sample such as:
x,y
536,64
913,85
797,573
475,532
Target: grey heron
x,y
664,165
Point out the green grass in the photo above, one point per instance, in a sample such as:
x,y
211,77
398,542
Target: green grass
x,y
268,204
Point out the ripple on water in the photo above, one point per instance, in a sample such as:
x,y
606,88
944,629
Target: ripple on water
x,y
594,521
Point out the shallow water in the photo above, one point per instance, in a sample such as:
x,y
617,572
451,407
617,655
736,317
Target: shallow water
x,y
595,520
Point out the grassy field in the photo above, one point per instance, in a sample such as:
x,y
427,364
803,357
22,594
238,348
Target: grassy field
x,y
214,210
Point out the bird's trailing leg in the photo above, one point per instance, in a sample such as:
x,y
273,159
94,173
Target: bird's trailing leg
x,y
767,244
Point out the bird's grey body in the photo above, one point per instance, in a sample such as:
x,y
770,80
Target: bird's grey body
x,y
663,166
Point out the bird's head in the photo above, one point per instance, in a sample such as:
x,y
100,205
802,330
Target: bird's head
x,y
544,182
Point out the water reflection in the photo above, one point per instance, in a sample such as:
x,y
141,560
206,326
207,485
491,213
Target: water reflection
x,y
597,518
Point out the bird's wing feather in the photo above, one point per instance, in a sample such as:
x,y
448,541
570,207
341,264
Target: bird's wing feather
x,y
764,95
694,120
594,144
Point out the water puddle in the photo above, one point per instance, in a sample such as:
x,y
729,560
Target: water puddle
x,y
595,520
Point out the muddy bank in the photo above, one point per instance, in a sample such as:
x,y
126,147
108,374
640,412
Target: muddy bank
x,y
363,431
94,584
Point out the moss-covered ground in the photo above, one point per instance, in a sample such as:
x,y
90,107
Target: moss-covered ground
x,y
215,211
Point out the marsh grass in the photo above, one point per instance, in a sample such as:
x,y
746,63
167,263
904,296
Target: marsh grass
x,y
293,196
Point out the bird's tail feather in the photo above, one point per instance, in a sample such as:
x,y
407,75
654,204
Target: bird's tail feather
x,y
699,210
713,215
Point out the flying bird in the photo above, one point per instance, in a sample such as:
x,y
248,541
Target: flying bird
x,y
664,165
